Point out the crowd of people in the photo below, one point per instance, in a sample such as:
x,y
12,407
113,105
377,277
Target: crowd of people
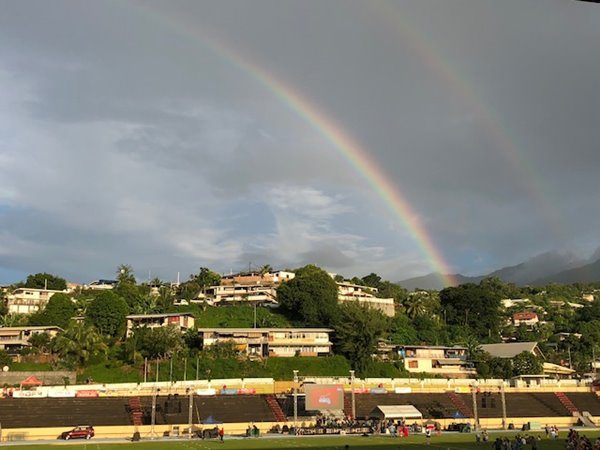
x,y
518,442
577,442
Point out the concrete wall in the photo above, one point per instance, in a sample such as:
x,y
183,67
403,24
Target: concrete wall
x,y
126,431
49,377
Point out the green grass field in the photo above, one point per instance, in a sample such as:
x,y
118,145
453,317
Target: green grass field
x,y
446,441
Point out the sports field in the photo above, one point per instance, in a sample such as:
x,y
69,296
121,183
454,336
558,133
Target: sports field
x,y
446,441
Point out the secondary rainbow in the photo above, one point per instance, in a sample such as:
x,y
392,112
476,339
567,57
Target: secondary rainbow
x,y
345,145
456,80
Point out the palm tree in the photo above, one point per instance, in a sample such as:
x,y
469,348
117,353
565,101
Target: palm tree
x,y
79,343
415,306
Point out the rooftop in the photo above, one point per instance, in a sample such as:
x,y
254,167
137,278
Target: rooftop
x,y
509,349
250,330
158,316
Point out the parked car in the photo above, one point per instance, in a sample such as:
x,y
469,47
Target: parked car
x,y
79,432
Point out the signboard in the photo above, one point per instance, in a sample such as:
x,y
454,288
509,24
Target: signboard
x,y
28,394
87,393
403,390
378,390
246,391
61,394
324,396
206,392
229,391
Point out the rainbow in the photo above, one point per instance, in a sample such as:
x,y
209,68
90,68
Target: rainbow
x,y
348,147
531,182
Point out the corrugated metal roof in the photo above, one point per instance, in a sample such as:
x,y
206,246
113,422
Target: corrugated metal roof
x,y
509,349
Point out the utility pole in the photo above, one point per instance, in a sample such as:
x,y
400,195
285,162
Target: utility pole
x,y
503,397
191,413
145,370
475,415
157,368
153,418
171,370
295,400
197,366
353,399
255,315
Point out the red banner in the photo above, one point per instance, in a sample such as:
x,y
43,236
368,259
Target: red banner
x,y
247,391
87,393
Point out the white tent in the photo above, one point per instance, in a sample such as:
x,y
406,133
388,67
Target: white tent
x,y
396,412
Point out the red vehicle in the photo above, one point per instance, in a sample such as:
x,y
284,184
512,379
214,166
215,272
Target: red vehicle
x,y
80,432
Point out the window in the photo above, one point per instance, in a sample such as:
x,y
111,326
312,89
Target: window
x,y
413,364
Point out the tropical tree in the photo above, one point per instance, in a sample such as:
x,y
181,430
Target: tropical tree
x,y
78,344
160,343
474,306
310,298
40,342
526,363
107,313
125,274
46,281
265,270
13,320
415,305
58,311
358,329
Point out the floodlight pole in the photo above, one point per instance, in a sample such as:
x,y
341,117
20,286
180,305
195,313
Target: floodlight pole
x,y
191,413
353,399
475,414
153,418
295,400
503,398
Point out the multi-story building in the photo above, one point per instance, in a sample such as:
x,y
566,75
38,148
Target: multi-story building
x,y
267,342
348,292
183,321
527,318
13,339
29,300
274,277
449,362
229,294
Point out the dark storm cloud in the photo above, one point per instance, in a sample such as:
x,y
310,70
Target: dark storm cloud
x,y
125,137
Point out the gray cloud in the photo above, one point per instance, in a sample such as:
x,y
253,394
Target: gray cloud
x,y
125,137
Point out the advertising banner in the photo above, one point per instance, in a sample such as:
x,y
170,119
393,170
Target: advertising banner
x,y
61,394
403,390
87,393
229,391
206,392
246,391
28,394
324,396
378,390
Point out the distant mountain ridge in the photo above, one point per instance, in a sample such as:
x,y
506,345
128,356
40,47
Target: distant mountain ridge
x,y
548,267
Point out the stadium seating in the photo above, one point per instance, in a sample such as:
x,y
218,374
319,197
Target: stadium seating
x,y
235,408
586,402
48,412
534,405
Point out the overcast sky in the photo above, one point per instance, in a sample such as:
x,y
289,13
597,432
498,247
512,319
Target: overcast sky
x,y
128,136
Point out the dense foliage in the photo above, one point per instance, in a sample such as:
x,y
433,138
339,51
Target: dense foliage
x,y
45,281
467,315
310,298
